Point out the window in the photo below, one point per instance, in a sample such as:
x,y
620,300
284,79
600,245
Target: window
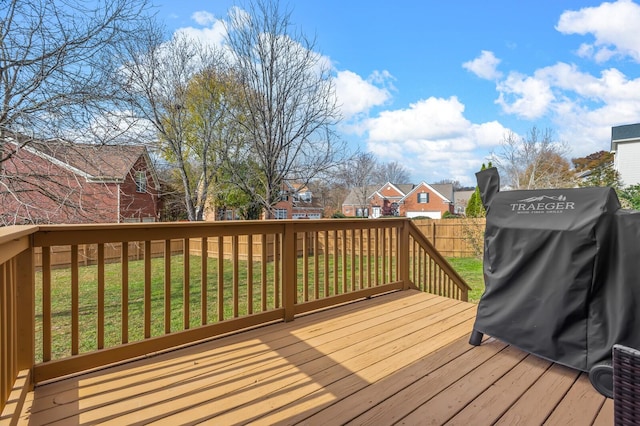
x,y
281,213
423,197
141,181
362,212
305,196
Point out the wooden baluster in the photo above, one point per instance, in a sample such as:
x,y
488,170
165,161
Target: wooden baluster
x,y
249,274
101,296
75,302
124,296
46,304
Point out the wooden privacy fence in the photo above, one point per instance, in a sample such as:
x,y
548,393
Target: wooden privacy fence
x,y
454,237
60,321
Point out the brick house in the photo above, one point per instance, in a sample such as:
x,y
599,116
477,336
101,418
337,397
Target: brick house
x,y
407,200
57,181
297,202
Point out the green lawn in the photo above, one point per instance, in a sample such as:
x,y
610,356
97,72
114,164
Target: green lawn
x,y
470,268
61,297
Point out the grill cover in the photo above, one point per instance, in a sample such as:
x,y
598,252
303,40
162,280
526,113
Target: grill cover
x,y
561,269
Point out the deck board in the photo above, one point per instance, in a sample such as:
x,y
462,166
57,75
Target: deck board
x,y
400,358
491,404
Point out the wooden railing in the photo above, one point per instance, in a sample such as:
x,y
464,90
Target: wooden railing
x,y
17,304
59,321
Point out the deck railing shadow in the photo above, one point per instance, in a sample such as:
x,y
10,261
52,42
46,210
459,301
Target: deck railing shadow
x,y
99,311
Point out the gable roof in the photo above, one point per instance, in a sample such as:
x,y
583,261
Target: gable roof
x,y
353,198
96,163
444,191
401,189
430,188
405,187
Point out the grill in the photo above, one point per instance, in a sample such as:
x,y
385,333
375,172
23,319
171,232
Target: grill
x,y
562,272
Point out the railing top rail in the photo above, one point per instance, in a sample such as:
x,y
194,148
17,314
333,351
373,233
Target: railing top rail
x,y
416,233
12,233
49,235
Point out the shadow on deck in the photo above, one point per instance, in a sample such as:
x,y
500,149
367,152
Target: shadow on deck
x,y
399,358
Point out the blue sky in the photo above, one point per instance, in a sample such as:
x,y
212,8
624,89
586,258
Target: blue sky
x,y
436,85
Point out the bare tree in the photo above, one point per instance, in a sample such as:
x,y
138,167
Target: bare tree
x,y
535,161
393,172
330,192
288,109
358,174
457,186
55,65
55,62
181,87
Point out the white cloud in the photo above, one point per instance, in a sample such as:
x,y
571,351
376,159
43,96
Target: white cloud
x,y
357,95
613,25
203,17
432,118
213,35
583,106
484,66
524,96
433,138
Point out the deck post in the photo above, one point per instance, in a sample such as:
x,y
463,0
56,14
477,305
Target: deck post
x,y
289,259
25,277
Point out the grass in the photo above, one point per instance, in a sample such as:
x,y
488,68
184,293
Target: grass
x,y
470,268
61,296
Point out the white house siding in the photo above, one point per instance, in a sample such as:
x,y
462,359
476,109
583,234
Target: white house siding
x,y
627,161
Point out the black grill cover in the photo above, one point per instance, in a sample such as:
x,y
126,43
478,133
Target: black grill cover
x,y
562,272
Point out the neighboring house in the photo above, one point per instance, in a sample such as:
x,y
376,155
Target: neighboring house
x,y
625,144
57,181
357,201
297,202
461,199
407,200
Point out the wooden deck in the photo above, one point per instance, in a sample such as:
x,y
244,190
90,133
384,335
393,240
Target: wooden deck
x,y
400,358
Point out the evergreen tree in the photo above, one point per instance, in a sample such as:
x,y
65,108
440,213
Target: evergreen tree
x,y
474,205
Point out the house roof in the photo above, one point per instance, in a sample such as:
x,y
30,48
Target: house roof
x,y
353,198
405,188
627,132
443,190
463,196
96,163
431,188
